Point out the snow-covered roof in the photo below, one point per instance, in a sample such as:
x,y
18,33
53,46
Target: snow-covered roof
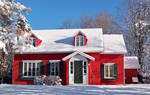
x,y
131,62
61,41
114,44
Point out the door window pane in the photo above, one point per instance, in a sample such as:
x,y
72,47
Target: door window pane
x,y
71,68
85,68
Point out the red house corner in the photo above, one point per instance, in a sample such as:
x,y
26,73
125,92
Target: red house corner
x,y
78,56
131,69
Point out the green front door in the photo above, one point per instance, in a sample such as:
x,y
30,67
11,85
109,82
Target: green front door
x,y
78,75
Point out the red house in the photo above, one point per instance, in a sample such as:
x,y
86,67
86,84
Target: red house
x,y
131,69
78,56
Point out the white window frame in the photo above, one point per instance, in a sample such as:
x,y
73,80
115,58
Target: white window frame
x,y
81,38
32,39
28,62
109,73
54,62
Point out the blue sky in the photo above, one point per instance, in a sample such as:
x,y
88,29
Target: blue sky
x,y
49,14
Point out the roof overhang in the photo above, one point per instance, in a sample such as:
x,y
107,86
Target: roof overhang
x,y
80,53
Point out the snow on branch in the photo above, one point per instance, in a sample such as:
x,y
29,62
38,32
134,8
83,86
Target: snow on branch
x,y
12,20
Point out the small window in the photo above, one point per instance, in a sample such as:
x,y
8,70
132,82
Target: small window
x,y
108,70
33,41
79,41
54,68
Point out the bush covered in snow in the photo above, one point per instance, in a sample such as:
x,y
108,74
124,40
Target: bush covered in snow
x,y
47,80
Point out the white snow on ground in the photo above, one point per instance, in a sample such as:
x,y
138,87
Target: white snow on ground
x,y
134,89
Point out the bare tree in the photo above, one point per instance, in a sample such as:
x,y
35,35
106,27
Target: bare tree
x,y
67,24
101,20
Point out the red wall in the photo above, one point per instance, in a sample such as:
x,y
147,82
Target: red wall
x,y
129,73
93,68
44,57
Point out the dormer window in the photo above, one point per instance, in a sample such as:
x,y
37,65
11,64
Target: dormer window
x,y
33,41
79,41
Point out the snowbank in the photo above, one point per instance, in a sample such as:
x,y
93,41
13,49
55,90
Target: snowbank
x,y
136,89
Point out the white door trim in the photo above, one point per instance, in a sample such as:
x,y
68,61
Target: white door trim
x,y
71,74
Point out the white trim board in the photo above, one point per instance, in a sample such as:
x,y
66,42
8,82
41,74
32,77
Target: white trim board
x,y
80,53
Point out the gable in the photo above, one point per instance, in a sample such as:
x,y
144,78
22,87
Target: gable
x,y
79,53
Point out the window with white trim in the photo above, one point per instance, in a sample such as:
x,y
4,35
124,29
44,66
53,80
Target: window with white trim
x,y
79,41
31,68
108,70
33,41
54,68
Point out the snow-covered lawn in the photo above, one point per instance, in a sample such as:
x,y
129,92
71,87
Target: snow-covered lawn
x,y
139,89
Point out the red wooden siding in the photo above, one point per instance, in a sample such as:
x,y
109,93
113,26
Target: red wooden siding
x,y
129,73
93,68
44,57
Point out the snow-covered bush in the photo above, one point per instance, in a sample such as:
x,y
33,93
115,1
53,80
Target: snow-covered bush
x,y
47,80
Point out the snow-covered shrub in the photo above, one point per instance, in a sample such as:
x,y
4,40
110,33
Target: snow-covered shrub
x,y
47,80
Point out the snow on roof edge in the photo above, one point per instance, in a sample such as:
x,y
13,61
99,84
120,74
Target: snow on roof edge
x,y
131,62
106,43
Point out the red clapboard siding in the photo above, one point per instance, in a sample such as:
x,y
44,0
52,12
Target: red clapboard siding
x,y
94,77
129,73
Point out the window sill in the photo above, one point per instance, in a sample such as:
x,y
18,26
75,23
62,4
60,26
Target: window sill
x,y
109,79
27,77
